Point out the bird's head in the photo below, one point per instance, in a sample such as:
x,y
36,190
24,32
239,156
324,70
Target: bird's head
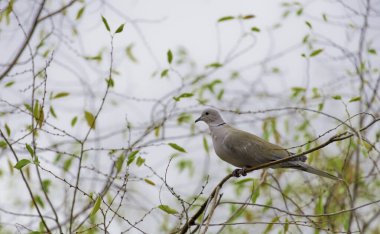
x,y
211,117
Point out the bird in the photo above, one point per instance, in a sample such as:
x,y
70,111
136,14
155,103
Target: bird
x,y
245,150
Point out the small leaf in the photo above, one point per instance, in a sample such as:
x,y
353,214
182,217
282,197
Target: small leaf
x,y
316,52
39,201
110,82
130,54
7,129
226,18
120,29
132,156
308,24
164,73
22,163
46,185
9,84
324,16
205,145
246,17
337,97
220,95
169,56
119,162
74,121
80,13
140,161
90,119
214,65
372,51
30,150
96,206
106,24
67,164
3,144
148,181
286,226
184,95
299,11
61,95
256,192
177,147
168,209
355,99
52,111
255,29
270,225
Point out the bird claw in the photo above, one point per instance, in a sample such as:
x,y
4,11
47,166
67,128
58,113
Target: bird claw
x,y
239,172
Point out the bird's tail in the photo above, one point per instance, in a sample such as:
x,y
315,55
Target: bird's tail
x,y
305,167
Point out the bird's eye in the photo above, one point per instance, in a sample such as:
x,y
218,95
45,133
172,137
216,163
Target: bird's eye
x,y
206,113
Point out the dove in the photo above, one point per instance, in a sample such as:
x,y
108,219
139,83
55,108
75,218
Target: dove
x,y
244,150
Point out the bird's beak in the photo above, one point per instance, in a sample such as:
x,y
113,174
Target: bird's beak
x,y
199,119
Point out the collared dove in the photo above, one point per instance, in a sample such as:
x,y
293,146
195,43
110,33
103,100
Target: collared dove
x,y
244,150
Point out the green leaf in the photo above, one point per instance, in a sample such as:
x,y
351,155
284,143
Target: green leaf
x,y
226,18
67,164
164,73
38,114
96,206
169,56
140,161
130,54
110,82
308,24
324,16
168,209
106,24
270,226
372,51
119,162
3,144
80,13
120,29
61,95
7,129
299,11
148,181
9,84
319,206
246,17
286,226
74,121
256,193
22,163
355,99
90,119
337,97
177,147
39,201
220,95
30,150
46,185
214,65
205,145
52,111
184,95
316,52
255,29
131,157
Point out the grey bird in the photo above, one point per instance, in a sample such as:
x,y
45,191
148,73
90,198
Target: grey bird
x,y
245,150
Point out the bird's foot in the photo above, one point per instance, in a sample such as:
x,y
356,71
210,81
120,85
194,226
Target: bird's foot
x,y
239,172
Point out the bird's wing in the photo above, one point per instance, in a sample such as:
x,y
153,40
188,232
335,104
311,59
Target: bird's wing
x,y
252,149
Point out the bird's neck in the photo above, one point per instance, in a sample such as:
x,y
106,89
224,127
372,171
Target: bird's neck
x,y
215,125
